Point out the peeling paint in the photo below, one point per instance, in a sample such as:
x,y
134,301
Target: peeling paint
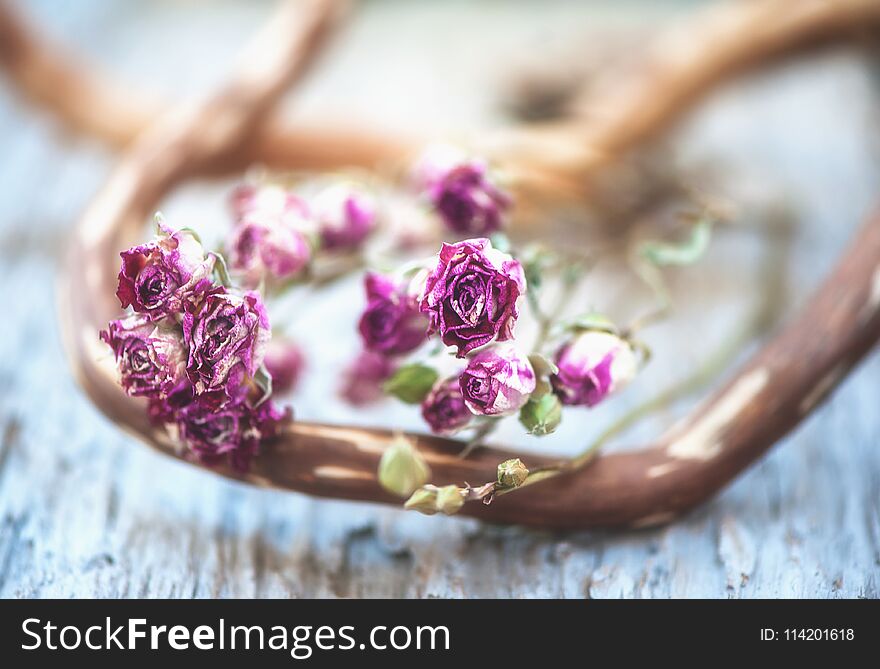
x,y
702,440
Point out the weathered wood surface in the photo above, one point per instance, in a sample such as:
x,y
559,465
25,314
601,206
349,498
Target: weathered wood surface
x,y
86,511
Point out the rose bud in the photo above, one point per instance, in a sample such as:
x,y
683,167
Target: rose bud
x,y
227,336
512,473
345,217
402,468
285,362
363,379
392,323
471,295
268,199
467,200
497,382
151,360
155,278
444,409
429,499
270,245
591,366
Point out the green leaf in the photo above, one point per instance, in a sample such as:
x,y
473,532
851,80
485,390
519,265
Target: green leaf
x,y
221,270
263,379
193,233
542,365
411,383
686,252
158,221
541,416
591,321
542,387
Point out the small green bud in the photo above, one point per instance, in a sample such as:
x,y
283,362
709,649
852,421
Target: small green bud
x,y
423,500
450,498
512,473
411,383
542,415
429,499
402,469
542,387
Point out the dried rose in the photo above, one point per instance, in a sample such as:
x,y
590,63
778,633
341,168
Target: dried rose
x,y
285,362
471,295
345,216
391,323
363,378
151,358
591,366
468,201
267,199
227,336
155,278
497,381
444,409
234,431
268,245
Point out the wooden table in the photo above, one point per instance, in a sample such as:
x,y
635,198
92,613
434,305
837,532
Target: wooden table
x,y
85,511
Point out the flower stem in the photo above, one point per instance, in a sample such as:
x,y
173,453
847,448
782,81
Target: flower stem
x,y
569,280
763,317
482,431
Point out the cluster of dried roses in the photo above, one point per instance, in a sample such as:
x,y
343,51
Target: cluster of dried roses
x,y
193,347
200,350
469,295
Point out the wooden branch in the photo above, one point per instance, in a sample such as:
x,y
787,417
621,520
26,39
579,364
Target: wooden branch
x,y
643,97
681,66
90,102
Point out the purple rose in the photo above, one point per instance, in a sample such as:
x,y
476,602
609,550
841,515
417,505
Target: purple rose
x,y
227,336
468,202
155,278
234,431
471,296
444,409
592,366
285,361
151,358
391,323
497,382
363,378
345,217
268,245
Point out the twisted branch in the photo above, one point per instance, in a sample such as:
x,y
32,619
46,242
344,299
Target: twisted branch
x,y
764,401
635,105
92,103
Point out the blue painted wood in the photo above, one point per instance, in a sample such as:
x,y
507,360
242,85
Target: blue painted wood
x,y
86,511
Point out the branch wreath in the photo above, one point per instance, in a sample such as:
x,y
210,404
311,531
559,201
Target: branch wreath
x,y
771,394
